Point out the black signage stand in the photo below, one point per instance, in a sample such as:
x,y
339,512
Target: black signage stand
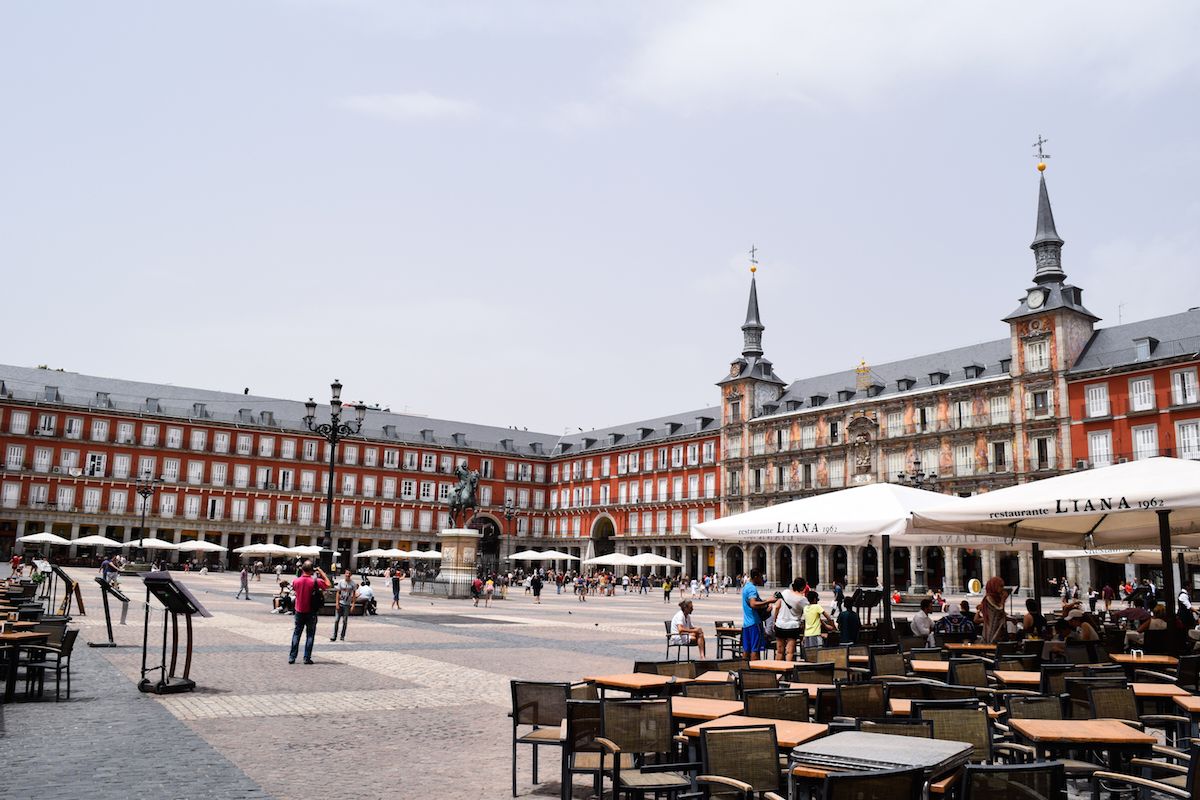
x,y
106,589
176,600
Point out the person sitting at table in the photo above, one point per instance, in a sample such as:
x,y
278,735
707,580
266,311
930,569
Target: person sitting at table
x,y
955,621
1136,614
922,623
1054,651
683,631
1081,629
1033,624
1157,622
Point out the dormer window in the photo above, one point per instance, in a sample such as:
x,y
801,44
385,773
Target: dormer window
x,y
844,395
1005,364
817,399
1142,348
973,371
874,389
938,378
905,383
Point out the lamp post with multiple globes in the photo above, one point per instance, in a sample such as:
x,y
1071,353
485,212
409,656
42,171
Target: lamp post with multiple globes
x,y
918,479
332,432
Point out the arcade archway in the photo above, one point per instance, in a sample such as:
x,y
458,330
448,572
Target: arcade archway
x,y
812,565
783,565
487,557
734,565
870,566
603,536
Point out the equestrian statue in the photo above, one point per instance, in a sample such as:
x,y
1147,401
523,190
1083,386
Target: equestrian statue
x,y
462,495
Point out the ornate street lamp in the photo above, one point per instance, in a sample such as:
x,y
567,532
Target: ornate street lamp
x,y
145,487
918,479
332,432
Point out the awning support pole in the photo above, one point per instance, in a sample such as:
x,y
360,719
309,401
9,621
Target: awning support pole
x,y
1164,542
1037,575
885,566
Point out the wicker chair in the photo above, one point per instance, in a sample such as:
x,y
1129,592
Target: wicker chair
x,y
749,679
825,705
1044,780
1034,707
1078,702
541,707
1054,677
729,664
727,643
45,658
713,691
890,665
898,726
898,784
643,729
813,673
906,690
1008,649
1104,671
928,654
839,657
1119,702
581,753
1018,663
677,669
969,725
740,762
910,643
1186,675
861,700
647,667
943,692
1183,782
789,704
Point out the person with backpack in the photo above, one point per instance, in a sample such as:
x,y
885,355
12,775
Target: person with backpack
x,y
789,613
309,598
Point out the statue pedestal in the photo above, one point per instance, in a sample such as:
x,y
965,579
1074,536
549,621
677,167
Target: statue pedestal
x,y
459,548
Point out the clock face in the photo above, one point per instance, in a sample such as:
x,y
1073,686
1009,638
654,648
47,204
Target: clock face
x,y
735,369
1035,298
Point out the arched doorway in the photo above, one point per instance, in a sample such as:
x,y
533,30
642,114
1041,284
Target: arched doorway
x,y
1010,569
812,565
935,568
900,562
870,566
603,536
841,565
733,562
487,558
783,564
758,557
971,562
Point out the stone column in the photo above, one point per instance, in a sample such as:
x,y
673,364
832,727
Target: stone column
x,y
719,560
771,564
853,567
953,570
19,547
1025,567
74,551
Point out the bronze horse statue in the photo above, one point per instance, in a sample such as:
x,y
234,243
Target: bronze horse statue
x,y
462,495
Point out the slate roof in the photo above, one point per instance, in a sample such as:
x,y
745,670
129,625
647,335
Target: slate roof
x,y
952,362
632,434
1178,336
138,397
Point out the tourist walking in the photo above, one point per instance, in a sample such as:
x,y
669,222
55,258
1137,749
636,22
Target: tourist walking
x,y
536,583
395,588
787,620
342,603
245,587
303,588
667,590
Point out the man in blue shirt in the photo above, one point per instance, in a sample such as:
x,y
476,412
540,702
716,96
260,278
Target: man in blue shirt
x,y
753,639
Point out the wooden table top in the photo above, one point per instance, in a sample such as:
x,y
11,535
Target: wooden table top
x,y
977,647
704,708
1157,689
772,665
634,680
1188,702
1126,658
902,707
27,625
811,687
1016,677
936,667
1080,731
860,660
725,630
714,676
23,637
787,733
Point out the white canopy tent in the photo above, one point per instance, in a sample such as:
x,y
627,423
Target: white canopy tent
x,y
96,540
1154,501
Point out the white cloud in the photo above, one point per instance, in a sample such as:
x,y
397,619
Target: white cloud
x,y
413,106
857,53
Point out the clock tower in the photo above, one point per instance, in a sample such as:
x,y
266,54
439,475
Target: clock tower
x,y
1049,330
749,389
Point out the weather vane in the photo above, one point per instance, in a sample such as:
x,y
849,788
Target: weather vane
x,y
753,259
1041,156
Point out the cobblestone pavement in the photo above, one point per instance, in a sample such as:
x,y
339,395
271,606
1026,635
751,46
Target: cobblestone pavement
x,y
412,704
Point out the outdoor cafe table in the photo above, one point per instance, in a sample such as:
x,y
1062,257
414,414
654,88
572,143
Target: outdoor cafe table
x,y
1131,660
714,676
940,782
1110,735
1191,704
703,708
772,665
787,732
861,661
18,638
636,683
1015,677
968,647
812,688
902,707
1159,691
931,667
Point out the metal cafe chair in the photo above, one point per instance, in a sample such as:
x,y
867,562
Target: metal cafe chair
x,y
645,730
895,784
539,707
1043,780
741,762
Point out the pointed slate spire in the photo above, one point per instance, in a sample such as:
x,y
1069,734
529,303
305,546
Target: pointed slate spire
x,y
1047,245
752,331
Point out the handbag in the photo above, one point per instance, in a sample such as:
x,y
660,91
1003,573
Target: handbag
x,y
317,598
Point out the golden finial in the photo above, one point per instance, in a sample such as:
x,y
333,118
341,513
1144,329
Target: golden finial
x,y
753,260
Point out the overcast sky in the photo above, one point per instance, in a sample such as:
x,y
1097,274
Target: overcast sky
x,y
537,214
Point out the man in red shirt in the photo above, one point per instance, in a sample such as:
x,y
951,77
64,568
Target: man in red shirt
x,y
306,615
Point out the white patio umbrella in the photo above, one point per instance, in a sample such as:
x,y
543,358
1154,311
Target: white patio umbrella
x,y
201,546
432,555
610,560
263,550
1146,502
96,540
526,555
652,560
150,543
45,537
558,555
1140,556
373,553
309,549
393,552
